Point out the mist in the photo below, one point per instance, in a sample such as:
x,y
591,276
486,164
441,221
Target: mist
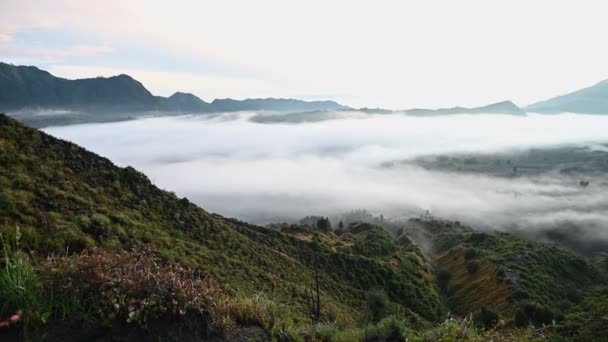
x,y
268,172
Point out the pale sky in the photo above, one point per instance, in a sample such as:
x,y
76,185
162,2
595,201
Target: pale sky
x,y
392,54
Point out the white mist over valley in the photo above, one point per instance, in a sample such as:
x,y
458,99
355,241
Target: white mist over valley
x,y
269,172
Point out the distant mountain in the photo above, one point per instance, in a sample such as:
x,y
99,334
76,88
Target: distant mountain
x,y
591,100
27,86
184,102
504,107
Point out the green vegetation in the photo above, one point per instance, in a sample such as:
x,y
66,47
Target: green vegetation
x,y
485,317
542,280
377,305
93,251
588,320
68,201
19,284
533,314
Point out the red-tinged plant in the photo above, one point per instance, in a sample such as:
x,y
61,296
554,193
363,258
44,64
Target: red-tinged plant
x,y
140,287
13,319
137,285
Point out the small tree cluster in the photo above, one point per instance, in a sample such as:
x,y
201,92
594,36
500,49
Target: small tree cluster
x,y
533,313
324,224
487,318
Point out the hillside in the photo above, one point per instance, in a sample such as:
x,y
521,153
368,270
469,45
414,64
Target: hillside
x,y
66,200
590,100
88,244
504,272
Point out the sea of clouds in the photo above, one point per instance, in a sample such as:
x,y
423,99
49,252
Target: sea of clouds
x,y
265,172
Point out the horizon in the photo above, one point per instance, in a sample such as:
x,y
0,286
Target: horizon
x,y
393,56
300,99
303,171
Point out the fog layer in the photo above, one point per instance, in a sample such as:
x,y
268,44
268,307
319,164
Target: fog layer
x,y
265,172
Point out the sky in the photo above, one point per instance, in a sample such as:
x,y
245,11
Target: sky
x,y
390,54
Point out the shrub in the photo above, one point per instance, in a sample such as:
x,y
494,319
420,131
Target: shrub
x,y
7,205
443,279
135,286
377,305
452,330
486,317
533,313
100,219
472,267
471,253
388,329
139,287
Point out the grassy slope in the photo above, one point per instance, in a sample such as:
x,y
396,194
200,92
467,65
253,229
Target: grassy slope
x,y
470,292
512,270
66,199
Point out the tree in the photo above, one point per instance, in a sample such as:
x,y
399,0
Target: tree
x,y
340,229
313,298
324,224
533,313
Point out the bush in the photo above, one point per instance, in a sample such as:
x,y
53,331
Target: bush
x,y
486,317
377,305
7,205
471,253
100,219
135,286
533,313
443,279
472,267
139,287
388,329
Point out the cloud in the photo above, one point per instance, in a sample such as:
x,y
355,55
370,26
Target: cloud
x,y
263,172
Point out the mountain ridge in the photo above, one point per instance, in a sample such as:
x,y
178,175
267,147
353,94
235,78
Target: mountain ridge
x,y
502,107
23,87
589,100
